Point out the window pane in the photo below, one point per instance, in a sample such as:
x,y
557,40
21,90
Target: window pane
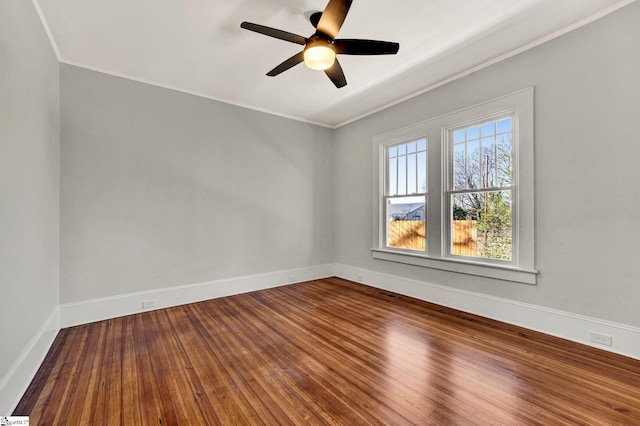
x,y
402,149
458,136
459,167
406,223
402,175
504,125
412,187
481,225
473,165
422,171
393,151
422,145
488,162
393,181
488,129
473,133
411,147
504,159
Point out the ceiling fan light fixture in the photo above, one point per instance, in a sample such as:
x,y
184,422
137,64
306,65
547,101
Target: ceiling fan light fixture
x,y
319,55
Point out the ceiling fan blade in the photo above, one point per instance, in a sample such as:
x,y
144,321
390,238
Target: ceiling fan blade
x,y
348,46
289,63
333,17
336,75
275,33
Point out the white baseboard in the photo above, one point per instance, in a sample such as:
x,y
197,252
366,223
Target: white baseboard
x,y
93,310
566,325
17,379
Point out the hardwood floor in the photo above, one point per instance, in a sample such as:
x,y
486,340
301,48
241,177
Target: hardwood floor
x,y
325,352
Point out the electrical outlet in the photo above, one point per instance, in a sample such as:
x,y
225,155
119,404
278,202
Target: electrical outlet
x,y
147,304
602,339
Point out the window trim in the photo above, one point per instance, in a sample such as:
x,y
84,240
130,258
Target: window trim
x,y
521,268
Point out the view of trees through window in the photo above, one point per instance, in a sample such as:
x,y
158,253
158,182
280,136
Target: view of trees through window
x,y
481,197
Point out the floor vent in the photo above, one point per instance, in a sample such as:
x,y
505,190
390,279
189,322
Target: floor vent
x,y
389,295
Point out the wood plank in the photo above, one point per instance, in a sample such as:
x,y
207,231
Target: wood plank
x,y
325,352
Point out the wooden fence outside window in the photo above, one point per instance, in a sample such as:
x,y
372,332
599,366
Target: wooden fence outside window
x,y
410,234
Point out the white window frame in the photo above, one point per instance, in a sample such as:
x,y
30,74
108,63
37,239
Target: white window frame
x,y
520,106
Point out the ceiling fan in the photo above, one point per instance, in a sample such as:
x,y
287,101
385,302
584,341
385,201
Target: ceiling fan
x,y
320,49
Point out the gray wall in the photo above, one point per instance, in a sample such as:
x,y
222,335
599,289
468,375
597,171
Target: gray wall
x,y
29,179
161,188
587,160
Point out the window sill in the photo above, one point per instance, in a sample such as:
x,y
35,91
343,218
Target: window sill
x,y
506,273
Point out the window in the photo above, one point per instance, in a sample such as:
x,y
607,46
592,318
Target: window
x,y
405,195
456,192
480,190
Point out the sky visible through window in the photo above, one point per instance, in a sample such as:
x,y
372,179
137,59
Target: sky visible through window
x,y
407,168
482,155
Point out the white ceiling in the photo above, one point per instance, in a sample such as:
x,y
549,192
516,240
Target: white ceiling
x,y
197,46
